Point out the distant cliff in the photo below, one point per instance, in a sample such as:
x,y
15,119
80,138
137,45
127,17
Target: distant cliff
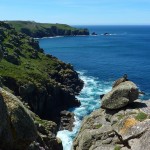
x,y
39,30
47,84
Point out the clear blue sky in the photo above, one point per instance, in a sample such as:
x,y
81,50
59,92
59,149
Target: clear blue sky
x,y
78,12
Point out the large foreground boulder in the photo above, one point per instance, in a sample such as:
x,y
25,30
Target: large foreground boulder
x,y
21,129
120,96
17,129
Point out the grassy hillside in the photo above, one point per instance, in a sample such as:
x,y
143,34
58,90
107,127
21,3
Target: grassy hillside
x,y
41,80
38,30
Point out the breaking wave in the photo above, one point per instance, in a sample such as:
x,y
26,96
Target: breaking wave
x,y
89,98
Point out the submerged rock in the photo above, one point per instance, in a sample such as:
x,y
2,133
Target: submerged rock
x,y
94,33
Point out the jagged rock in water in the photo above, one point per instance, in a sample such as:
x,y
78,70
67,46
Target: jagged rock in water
x,y
120,96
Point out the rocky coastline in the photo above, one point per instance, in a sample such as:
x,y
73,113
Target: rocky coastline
x,y
123,122
35,90
40,30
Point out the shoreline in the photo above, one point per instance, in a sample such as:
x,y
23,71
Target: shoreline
x,y
51,37
89,98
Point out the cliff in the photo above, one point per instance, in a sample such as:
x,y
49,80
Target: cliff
x,y
39,30
21,129
122,124
45,83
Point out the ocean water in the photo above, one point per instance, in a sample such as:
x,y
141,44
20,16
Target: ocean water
x,y
100,60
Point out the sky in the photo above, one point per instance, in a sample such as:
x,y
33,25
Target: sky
x,y
78,12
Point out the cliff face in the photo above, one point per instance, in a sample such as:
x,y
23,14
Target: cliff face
x,y
39,30
126,127
47,84
20,129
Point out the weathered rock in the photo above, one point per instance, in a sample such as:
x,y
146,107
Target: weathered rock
x,y
143,143
120,80
46,135
116,129
130,127
123,125
12,59
26,89
21,129
120,96
67,120
17,130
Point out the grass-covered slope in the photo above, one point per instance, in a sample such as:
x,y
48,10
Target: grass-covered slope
x,y
47,84
39,30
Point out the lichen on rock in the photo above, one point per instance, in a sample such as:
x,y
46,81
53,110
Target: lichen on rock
x,y
116,126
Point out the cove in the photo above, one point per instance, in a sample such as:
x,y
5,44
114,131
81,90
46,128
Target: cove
x,y
89,98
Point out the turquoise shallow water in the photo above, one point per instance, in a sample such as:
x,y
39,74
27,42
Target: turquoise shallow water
x,y
100,60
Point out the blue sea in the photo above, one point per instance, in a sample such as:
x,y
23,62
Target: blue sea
x,y
100,60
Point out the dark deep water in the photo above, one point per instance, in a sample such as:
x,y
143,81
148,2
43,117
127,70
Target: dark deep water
x,y
101,60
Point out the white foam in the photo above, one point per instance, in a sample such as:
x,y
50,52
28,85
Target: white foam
x,y
50,37
89,98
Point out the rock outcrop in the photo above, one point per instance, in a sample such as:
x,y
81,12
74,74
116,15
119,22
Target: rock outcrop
x,y
120,80
120,96
17,127
124,129
21,129
67,120
121,127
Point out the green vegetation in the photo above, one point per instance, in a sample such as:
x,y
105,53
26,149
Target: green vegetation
x,y
97,126
117,147
38,78
141,116
39,30
120,116
23,59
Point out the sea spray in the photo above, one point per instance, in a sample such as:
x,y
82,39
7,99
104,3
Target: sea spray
x,y
89,98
